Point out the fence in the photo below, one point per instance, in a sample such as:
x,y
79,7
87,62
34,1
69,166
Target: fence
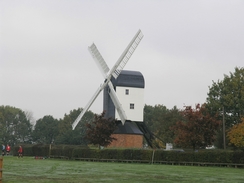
x,y
1,169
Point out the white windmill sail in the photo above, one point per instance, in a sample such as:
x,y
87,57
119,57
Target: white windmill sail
x,y
123,59
89,104
117,104
99,60
115,71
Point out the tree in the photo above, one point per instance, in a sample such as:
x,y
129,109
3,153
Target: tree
x,y
236,135
14,125
77,136
228,96
197,129
159,119
45,130
100,130
29,116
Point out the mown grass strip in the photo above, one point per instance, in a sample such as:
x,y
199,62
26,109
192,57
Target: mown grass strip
x,y
28,169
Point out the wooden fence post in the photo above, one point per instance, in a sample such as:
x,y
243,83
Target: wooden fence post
x,y
153,155
50,148
1,169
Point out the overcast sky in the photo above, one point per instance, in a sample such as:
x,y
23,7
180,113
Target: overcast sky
x,y
46,68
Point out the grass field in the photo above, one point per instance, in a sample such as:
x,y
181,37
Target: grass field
x,y
29,169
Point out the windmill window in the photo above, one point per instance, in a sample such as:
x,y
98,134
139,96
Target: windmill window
x,y
132,106
127,91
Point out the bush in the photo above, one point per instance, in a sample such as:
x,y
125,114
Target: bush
x,y
85,153
108,154
72,152
27,150
40,150
64,150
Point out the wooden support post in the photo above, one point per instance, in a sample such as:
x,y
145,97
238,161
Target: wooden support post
x,y
153,155
224,145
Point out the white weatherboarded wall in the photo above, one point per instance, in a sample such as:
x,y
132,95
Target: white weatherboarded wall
x,y
136,97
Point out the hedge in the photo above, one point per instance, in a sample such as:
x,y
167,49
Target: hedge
x,y
83,152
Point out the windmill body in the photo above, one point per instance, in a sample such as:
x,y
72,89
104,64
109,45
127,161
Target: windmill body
x,y
129,88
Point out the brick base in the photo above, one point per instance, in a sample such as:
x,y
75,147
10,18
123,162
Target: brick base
x,y
127,141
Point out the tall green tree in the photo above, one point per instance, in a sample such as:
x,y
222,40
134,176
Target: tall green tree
x,y
159,119
227,97
46,130
14,126
197,129
77,136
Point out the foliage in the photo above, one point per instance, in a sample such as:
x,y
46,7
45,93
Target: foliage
x,y
26,148
77,136
219,141
133,155
209,156
228,94
29,116
198,128
45,130
14,125
16,128
236,135
159,119
100,130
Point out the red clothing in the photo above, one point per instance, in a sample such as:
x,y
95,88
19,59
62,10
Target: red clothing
x,y
8,148
20,150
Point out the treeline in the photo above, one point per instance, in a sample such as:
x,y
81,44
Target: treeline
x,y
16,128
189,128
219,121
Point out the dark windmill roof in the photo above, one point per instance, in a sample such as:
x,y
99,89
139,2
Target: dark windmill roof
x,y
129,79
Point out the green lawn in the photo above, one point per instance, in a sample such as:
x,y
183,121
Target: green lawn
x,y
31,170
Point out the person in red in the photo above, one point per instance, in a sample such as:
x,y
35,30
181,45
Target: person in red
x,y
8,149
20,151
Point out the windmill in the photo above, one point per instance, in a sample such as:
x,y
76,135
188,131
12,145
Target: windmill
x,y
107,74
111,75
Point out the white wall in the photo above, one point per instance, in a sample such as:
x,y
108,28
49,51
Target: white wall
x,y
136,96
